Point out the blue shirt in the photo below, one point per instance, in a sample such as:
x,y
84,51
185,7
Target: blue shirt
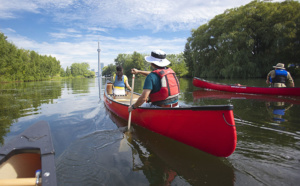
x,y
152,82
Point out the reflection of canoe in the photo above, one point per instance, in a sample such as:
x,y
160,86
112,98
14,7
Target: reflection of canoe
x,y
21,157
208,128
288,91
194,166
200,94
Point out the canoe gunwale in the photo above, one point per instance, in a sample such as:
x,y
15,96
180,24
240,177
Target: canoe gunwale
x,y
242,86
279,91
183,107
18,151
37,140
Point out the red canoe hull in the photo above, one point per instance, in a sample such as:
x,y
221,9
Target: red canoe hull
x,y
287,91
208,128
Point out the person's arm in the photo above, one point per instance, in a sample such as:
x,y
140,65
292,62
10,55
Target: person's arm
x,y
142,99
127,85
114,77
290,79
268,78
136,71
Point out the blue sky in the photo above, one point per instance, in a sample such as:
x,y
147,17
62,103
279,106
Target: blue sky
x,y
70,29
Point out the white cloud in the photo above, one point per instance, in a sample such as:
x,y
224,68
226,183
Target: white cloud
x,y
8,8
96,29
86,49
64,35
149,14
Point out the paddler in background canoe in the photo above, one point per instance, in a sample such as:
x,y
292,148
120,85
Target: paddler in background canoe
x,y
161,85
119,82
279,77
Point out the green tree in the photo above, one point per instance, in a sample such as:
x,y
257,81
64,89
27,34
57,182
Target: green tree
x,y
62,72
246,41
178,64
80,69
121,59
109,70
68,72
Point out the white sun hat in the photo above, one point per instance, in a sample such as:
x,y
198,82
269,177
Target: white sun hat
x,y
158,57
279,65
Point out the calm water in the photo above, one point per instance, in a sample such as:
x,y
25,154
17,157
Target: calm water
x,y
92,148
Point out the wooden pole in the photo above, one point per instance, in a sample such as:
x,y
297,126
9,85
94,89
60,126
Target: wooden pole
x,y
19,181
131,96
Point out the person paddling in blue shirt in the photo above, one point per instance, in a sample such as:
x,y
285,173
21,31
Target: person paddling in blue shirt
x,y
161,85
279,77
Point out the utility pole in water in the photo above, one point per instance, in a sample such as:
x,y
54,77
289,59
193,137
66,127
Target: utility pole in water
x,y
99,71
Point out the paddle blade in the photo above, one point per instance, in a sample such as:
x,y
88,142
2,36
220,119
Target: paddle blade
x,y
124,143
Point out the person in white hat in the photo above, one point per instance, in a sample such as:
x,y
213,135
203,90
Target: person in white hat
x,y
161,85
279,77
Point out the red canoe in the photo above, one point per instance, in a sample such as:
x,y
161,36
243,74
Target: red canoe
x,y
287,91
208,128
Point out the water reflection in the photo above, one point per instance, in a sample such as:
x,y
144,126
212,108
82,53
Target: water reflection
x,y
277,110
211,94
26,99
78,85
23,99
257,109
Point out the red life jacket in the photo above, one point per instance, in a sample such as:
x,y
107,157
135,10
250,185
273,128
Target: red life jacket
x,y
169,86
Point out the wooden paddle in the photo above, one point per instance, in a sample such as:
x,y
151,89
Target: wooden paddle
x,y
19,181
131,96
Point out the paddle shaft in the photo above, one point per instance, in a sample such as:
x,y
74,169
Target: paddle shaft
x,y
19,181
131,96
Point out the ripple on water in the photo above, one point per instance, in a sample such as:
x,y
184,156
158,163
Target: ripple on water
x,y
101,162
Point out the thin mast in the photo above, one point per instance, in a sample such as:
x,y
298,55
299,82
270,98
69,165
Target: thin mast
x,y
99,71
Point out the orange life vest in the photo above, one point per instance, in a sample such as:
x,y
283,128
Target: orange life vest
x,y
169,87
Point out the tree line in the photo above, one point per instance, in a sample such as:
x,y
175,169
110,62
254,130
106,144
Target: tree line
x,y
246,42
77,70
25,65
136,60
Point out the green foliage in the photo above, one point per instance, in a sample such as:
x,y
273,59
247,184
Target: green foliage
x,y
24,65
109,70
137,60
80,70
62,72
178,64
68,72
121,59
245,42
